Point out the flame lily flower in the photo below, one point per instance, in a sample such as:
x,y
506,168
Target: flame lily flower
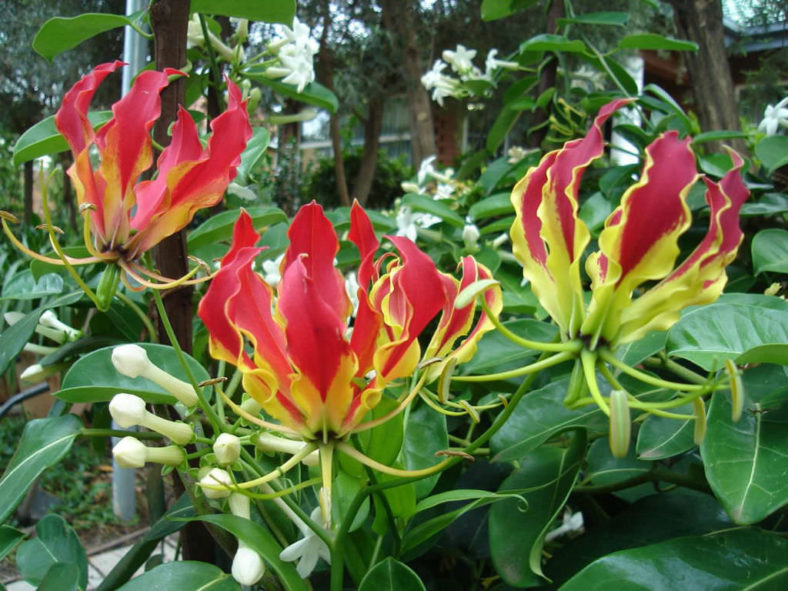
x,y
127,216
294,348
638,244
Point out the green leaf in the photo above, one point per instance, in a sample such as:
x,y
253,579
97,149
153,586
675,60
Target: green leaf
x,y
43,138
24,287
716,136
770,251
660,437
254,151
497,353
501,127
55,543
654,41
425,434
549,42
436,207
772,151
594,211
708,335
731,560
313,94
60,577
516,536
261,541
391,575
44,442
83,394
278,11
13,339
769,204
602,468
96,369
745,461
495,9
60,34
618,19
9,538
219,228
187,574
492,206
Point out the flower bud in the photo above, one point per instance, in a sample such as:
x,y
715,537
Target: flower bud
x,y
699,410
470,236
50,320
227,448
620,423
129,410
38,372
132,361
216,484
248,566
737,390
268,443
107,287
132,453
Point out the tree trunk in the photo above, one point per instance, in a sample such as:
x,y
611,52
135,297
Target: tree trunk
x,y
708,68
547,77
369,158
169,19
398,19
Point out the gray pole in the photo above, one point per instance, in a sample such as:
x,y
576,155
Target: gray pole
x,y
135,48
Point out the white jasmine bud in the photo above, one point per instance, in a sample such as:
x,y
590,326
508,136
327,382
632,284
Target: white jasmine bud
x,y
216,484
129,410
38,372
227,448
470,236
50,320
132,361
248,566
132,453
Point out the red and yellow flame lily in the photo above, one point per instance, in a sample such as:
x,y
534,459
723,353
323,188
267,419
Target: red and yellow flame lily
x,y
127,215
639,242
299,359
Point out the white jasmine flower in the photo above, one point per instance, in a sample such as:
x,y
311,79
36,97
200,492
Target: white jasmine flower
x,y
242,192
271,273
460,59
444,191
308,550
408,222
572,523
517,153
491,63
426,170
351,286
470,236
774,116
409,187
299,35
442,86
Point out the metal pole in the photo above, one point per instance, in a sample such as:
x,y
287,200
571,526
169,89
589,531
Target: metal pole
x,y
135,49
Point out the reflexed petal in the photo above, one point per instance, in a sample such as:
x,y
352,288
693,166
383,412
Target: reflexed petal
x,y
363,236
701,277
640,238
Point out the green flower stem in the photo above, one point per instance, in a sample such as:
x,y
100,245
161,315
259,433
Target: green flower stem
x,y
656,474
664,362
292,462
521,371
609,357
233,384
351,451
140,314
589,359
572,346
85,432
608,375
670,415
217,425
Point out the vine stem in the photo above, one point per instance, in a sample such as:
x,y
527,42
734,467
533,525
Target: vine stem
x,y
571,346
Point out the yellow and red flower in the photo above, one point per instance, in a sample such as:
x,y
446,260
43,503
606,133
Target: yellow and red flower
x,y
299,359
639,242
128,215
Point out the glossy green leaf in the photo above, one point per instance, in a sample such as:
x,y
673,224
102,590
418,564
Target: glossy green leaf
x,y
770,251
717,136
492,206
44,442
731,560
55,543
105,394
660,437
60,577
618,19
254,151
708,335
745,461
496,9
773,152
313,94
172,521
278,11
425,434
437,207
96,369
634,353
25,287
219,227
602,468
9,538
14,338
654,41
651,519
550,42
391,575
769,204
43,138
60,34
187,574
594,211
517,534
501,127
261,541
